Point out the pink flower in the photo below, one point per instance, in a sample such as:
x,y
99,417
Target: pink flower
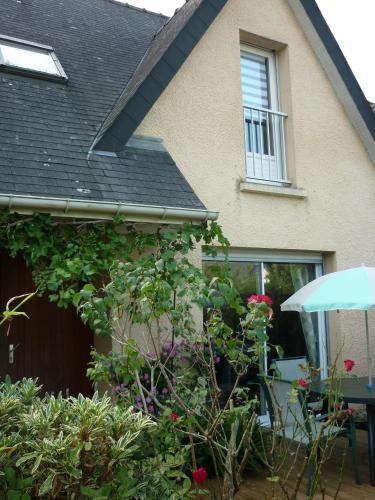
x,y
199,475
173,416
260,298
349,363
350,411
303,383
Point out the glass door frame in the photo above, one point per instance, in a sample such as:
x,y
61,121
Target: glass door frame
x,y
285,257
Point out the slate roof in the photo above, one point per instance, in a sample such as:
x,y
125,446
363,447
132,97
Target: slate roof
x,y
47,128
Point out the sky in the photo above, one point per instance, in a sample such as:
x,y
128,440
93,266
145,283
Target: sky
x,y
351,21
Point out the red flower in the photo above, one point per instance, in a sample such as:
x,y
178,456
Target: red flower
x,y
303,383
199,475
173,416
349,363
350,411
260,298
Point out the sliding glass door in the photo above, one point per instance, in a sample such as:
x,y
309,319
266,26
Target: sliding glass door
x,y
279,276
297,333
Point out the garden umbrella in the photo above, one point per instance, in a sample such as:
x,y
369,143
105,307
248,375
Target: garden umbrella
x,y
349,289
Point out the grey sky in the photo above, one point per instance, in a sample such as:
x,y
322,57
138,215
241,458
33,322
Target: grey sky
x,y
352,23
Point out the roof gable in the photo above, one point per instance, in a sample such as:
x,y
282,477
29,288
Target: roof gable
x,y
173,44
166,54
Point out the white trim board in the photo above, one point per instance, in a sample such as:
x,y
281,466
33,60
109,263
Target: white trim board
x,y
264,255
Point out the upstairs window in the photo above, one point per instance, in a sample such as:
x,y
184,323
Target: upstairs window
x,y
30,58
263,121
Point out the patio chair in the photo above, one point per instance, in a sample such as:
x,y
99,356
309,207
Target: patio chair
x,y
290,368
292,419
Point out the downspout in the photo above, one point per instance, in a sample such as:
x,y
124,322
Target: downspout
x,y
68,207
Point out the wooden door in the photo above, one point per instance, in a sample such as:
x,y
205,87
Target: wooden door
x,y
53,344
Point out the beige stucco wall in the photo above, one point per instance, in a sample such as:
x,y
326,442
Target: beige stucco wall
x,y
199,116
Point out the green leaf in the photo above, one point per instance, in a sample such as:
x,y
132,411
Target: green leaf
x,y
27,482
89,287
279,350
101,494
88,445
273,479
36,464
10,475
13,495
23,459
47,485
127,493
186,484
76,299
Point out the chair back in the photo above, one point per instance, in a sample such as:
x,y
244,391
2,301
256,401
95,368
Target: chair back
x,y
286,407
290,368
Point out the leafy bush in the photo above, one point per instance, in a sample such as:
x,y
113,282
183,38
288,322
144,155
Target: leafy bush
x,y
177,376
80,448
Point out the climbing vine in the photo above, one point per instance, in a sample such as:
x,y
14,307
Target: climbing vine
x,y
68,257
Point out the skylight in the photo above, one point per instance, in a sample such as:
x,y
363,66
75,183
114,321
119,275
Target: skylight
x,y
27,57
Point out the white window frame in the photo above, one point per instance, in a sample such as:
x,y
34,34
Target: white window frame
x,y
61,76
265,168
273,83
284,257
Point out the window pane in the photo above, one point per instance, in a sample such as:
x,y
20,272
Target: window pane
x,y
255,87
247,280
297,333
31,58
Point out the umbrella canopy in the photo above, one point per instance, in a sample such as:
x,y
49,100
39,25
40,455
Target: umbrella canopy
x,y
349,289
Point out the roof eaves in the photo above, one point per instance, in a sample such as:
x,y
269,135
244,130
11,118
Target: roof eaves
x,y
337,69
118,129
68,207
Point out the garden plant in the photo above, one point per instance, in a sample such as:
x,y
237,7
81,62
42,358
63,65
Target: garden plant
x,y
168,426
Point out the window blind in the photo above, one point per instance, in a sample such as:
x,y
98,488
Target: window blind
x,y
254,73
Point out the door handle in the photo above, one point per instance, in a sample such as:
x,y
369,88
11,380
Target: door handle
x,y
11,354
12,348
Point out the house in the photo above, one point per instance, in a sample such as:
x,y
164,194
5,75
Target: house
x,y
241,110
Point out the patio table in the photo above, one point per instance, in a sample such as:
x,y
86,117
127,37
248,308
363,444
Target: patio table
x,y
354,390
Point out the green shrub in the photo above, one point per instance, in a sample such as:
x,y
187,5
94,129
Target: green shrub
x,y
79,448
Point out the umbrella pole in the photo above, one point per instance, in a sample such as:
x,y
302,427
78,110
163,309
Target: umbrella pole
x,y
369,359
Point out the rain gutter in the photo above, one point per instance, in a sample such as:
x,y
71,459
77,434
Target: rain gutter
x,y
68,207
